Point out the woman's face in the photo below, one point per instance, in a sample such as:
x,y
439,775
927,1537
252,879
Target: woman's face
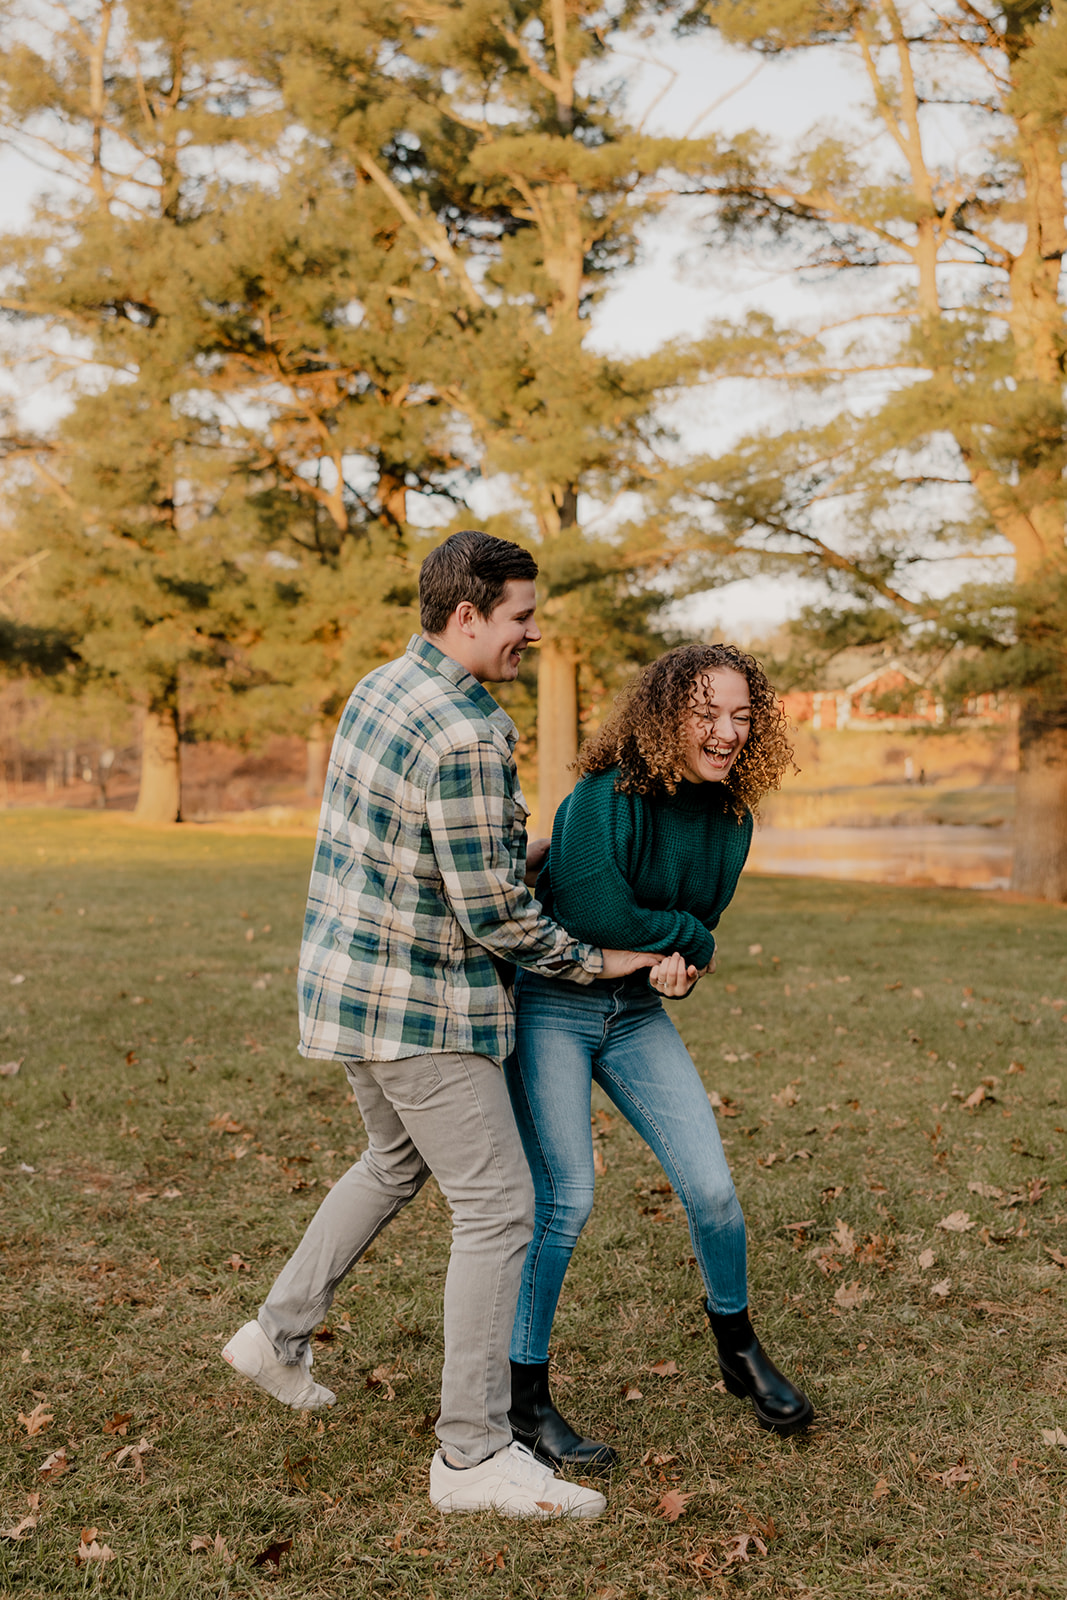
x,y
717,725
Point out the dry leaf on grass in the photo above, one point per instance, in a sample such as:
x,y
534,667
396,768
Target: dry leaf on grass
x,y
975,1098
8,1069
1054,1436
927,1259
224,1123
135,1454
956,1475
850,1295
664,1369
672,1504
630,1391
737,1547
1057,1255
212,1547
37,1421
881,1489
272,1555
236,1263
493,1560
55,1465
942,1289
380,1379
119,1423
786,1096
988,1191
27,1523
957,1222
844,1238
90,1550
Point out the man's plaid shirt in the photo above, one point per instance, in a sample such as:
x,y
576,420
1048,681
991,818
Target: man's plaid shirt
x,y
418,875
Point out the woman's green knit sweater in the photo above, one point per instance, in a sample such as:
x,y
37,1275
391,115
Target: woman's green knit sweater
x,y
627,872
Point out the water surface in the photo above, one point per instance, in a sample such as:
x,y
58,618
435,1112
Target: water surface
x,y
947,857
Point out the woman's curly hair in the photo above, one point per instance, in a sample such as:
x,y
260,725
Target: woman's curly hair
x,y
644,735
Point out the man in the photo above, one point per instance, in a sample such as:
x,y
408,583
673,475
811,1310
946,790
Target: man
x,y
416,896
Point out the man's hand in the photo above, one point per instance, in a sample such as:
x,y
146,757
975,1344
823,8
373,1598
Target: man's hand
x,y
673,977
620,963
536,856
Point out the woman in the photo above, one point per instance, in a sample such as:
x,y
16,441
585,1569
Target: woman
x,y
645,854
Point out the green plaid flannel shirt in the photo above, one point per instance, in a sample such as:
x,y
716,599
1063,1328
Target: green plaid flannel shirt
x,y
417,883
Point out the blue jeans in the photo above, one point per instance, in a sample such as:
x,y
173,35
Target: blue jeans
x,y
619,1035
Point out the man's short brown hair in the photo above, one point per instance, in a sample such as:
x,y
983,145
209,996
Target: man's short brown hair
x,y
468,566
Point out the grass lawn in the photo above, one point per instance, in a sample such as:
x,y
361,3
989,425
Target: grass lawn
x,y
892,1072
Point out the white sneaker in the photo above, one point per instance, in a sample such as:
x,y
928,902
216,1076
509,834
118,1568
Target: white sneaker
x,y
512,1482
250,1352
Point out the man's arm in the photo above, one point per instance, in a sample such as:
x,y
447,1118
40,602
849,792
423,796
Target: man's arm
x,y
467,805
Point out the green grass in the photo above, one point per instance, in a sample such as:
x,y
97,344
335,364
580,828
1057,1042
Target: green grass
x,y
178,1144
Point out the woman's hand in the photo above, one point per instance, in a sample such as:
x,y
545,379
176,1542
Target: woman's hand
x,y
536,856
673,977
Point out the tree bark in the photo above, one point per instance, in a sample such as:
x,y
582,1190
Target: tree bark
x,y
1040,864
159,798
317,751
557,727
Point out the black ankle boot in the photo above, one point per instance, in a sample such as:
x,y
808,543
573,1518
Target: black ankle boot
x,y
748,1372
536,1423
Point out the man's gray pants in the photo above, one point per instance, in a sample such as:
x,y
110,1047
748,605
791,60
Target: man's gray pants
x,y
448,1114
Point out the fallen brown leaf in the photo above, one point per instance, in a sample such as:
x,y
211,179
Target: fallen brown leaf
x,y
737,1547
942,1289
844,1238
213,1547
119,1423
664,1369
672,1504
927,1259
956,1222
1057,1255
1054,1436
90,1550
54,1465
37,1421
850,1295
8,1069
272,1555
224,1123
988,1191
630,1391
956,1475
27,1523
881,1489
135,1454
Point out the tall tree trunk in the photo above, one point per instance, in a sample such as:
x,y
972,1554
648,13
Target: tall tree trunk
x,y
1040,865
317,751
159,798
557,727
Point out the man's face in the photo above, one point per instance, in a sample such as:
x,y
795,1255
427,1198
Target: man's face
x,y
498,641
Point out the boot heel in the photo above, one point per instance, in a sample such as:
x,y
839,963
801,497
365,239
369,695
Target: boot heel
x,y
733,1385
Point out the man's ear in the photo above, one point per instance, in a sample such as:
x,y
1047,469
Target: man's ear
x,y
465,616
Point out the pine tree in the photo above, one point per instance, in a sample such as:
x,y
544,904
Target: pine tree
x,y
966,334
521,182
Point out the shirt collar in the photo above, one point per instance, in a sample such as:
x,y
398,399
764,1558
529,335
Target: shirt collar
x,y
457,674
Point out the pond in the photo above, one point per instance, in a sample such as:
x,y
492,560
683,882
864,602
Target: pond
x,y
927,854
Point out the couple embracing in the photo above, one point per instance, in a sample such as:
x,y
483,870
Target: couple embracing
x,y
418,910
